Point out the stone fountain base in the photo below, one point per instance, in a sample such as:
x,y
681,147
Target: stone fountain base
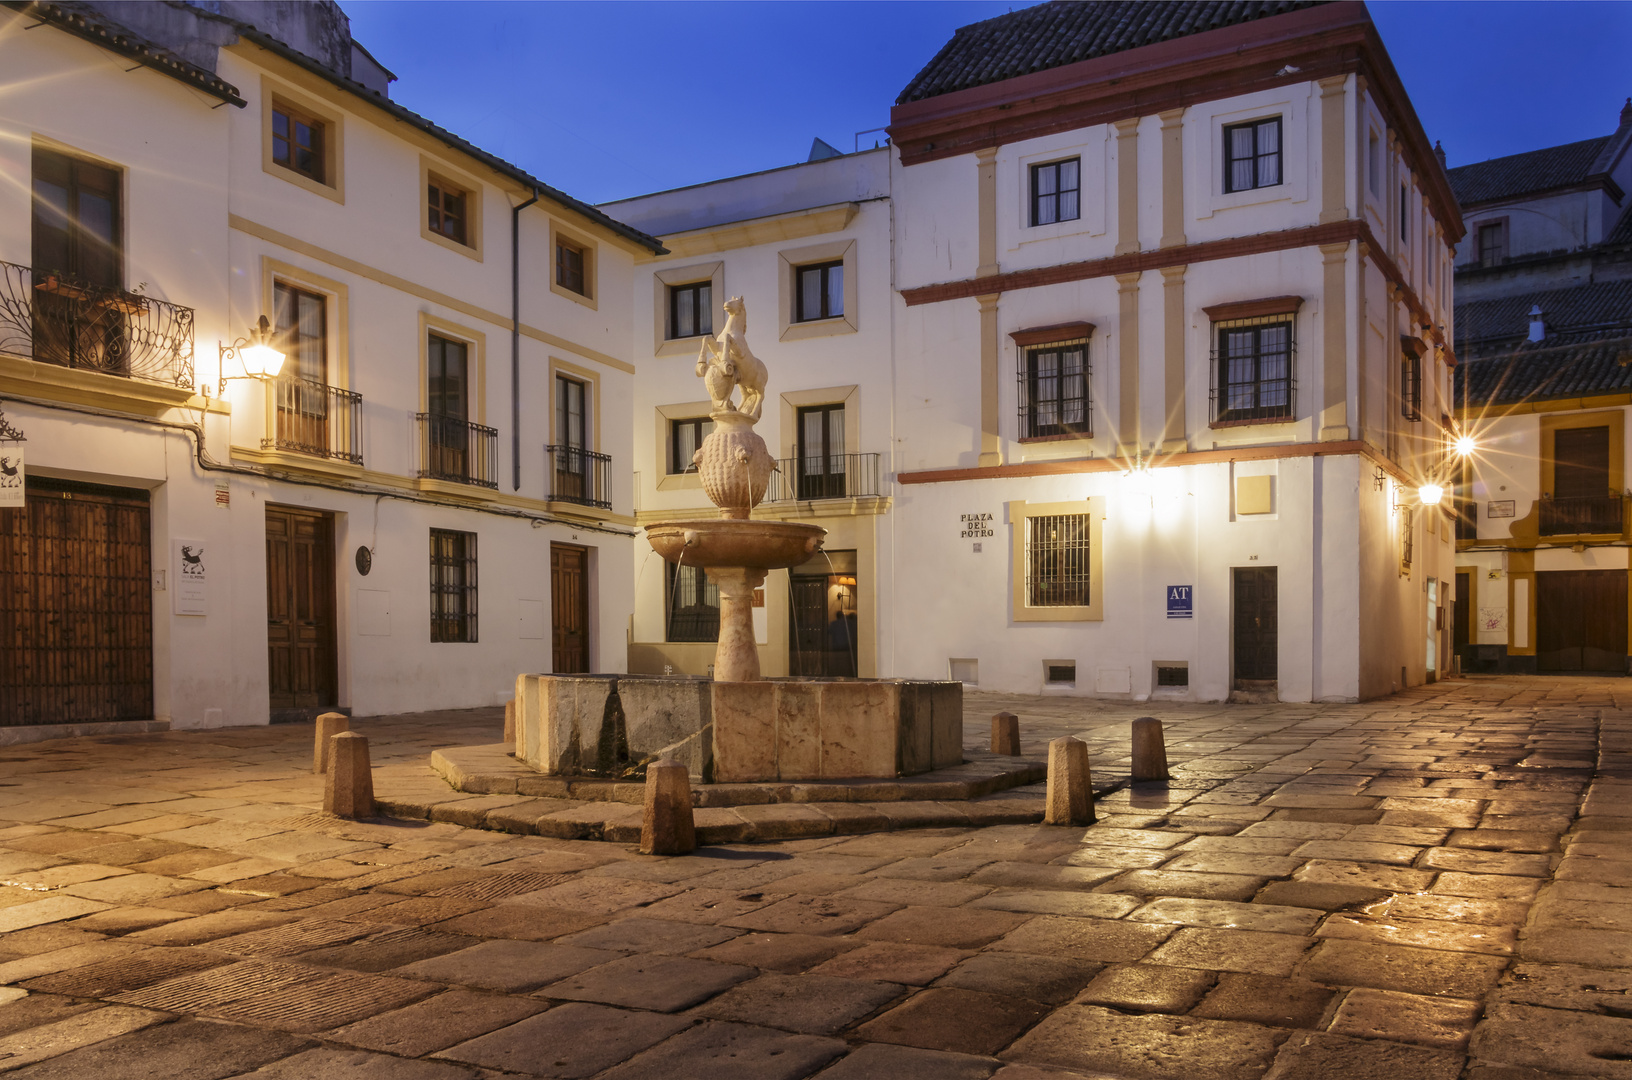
x,y
612,726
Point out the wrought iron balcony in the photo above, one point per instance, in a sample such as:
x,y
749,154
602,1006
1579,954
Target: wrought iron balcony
x,y
1581,517
578,476
457,451
51,319
315,418
831,476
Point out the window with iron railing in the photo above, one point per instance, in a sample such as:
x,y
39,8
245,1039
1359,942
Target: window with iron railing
x,y
1253,370
1053,390
578,476
694,605
53,319
453,586
1057,561
841,476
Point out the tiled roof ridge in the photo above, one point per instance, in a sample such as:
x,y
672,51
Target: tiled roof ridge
x,y
1065,32
1527,171
97,28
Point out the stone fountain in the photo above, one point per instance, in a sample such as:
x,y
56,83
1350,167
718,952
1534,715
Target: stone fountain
x,y
735,468
737,727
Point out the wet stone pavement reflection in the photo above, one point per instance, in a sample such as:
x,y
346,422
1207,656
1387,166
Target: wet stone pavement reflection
x,y
1433,885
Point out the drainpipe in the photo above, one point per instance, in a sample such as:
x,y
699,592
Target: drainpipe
x,y
515,341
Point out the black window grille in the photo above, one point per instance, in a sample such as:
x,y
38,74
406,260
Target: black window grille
x,y
691,309
1062,673
1408,539
1252,155
1056,190
1405,215
1054,390
818,291
1057,568
1253,377
694,605
685,439
1411,386
1169,675
453,586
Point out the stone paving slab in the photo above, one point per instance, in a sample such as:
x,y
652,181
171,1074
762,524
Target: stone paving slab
x,y
1432,885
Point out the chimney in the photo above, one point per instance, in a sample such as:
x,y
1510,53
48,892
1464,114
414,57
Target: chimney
x,y
1538,325
1439,151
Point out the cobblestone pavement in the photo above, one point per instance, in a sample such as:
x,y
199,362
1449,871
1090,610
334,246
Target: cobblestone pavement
x,y
1434,885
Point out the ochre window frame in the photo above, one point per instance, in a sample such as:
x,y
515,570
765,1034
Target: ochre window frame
x,y
559,235
788,263
1019,512
437,172
691,274
333,184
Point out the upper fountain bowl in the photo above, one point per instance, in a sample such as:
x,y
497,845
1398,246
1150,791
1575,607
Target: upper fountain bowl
x,y
753,545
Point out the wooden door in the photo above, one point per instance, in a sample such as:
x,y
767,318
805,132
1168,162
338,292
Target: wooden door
x,y
1581,621
1256,631
808,596
569,604
76,606
300,623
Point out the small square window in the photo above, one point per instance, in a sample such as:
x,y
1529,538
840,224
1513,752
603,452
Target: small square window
x,y
453,586
446,209
818,291
685,438
1252,155
691,309
1172,675
298,142
569,267
1060,672
1056,192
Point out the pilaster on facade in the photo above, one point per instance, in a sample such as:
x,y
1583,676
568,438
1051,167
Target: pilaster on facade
x,y
1172,178
1127,186
986,211
991,437
1175,331
1334,420
1335,175
1128,442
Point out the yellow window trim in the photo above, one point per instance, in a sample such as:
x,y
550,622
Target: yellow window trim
x,y
341,262
560,234
592,381
1019,512
337,364
438,173
662,282
334,141
477,342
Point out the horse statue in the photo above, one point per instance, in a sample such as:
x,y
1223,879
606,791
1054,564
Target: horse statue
x,y
726,362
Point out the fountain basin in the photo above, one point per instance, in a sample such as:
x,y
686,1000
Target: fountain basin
x,y
723,542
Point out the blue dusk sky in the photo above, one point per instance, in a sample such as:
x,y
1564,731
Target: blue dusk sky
x,y
611,99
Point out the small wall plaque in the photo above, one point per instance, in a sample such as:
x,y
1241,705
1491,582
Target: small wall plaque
x,y
1499,509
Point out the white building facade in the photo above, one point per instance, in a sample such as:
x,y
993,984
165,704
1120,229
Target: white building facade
x,y
1172,333
430,497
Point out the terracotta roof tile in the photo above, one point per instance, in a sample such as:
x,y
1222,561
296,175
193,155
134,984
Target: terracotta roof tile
x,y
1055,34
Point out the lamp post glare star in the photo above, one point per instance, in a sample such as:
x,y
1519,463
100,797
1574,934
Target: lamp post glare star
x,y
254,353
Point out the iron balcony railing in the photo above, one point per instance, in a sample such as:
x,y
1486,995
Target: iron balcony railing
x,y
315,418
1572,517
55,320
830,476
457,450
578,476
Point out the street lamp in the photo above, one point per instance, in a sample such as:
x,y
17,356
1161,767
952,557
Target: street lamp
x,y
254,353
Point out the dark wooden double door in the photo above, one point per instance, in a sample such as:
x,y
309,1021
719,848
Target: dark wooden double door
x,y
300,621
1581,621
76,606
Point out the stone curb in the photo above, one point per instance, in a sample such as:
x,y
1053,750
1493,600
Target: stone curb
x,y
491,770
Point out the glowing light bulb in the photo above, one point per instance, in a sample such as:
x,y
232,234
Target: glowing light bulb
x,y
1464,445
1430,494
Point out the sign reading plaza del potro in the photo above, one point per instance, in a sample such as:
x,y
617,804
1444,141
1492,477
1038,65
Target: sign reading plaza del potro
x,y
975,526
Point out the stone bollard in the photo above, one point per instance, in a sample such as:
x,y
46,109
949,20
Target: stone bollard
x,y
510,727
1149,750
666,827
329,725
1006,734
349,791
1070,798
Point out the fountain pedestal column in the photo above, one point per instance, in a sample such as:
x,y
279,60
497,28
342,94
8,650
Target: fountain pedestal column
x,y
736,659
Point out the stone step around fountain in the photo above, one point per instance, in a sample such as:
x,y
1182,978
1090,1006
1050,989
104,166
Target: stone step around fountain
x,y
491,789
